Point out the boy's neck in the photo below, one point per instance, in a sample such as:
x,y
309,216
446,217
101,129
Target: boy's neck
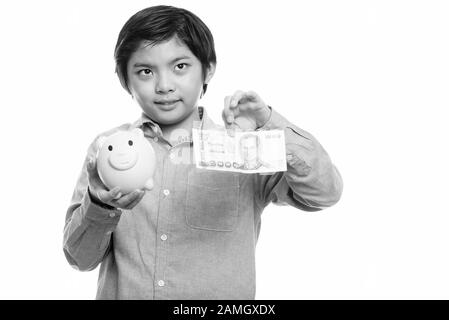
x,y
185,124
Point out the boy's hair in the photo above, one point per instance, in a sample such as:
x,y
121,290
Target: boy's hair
x,y
158,24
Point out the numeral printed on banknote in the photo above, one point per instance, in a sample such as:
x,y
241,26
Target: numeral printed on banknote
x,y
246,152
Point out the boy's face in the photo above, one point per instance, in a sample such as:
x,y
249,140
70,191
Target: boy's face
x,y
166,80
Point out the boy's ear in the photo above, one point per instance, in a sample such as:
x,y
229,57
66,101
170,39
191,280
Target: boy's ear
x,y
210,73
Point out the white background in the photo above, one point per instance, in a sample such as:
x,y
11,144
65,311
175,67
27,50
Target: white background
x,y
369,79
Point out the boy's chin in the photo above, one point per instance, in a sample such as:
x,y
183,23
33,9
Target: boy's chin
x,y
168,117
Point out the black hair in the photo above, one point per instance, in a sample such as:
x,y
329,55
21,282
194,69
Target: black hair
x,y
158,24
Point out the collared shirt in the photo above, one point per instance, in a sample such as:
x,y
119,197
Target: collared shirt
x,y
193,236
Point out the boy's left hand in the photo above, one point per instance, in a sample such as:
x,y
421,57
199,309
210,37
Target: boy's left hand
x,y
245,110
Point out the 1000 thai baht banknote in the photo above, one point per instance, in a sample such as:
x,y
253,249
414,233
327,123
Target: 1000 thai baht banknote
x,y
245,151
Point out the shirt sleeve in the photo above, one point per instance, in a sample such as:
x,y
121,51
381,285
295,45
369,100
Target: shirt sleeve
x,y
88,225
311,182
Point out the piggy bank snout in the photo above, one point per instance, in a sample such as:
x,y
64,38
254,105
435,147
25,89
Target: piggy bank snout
x,y
126,160
123,160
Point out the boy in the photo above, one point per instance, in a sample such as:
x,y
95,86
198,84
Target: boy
x,y
193,236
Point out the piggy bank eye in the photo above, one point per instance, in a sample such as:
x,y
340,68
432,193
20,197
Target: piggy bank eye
x,y
130,142
110,148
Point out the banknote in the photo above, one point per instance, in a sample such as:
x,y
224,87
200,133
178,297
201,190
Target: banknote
x,y
243,151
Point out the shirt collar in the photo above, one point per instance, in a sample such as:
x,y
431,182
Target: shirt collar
x,y
152,129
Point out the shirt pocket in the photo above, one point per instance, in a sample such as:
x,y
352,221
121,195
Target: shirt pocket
x,y
212,200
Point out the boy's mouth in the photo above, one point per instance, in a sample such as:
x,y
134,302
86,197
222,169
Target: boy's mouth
x,y
167,104
172,101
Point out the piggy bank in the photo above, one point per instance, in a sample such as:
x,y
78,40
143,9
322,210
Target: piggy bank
x,y
127,160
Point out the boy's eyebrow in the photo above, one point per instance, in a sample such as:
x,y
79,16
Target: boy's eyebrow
x,y
138,64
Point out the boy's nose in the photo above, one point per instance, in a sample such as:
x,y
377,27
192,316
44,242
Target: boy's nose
x,y
164,84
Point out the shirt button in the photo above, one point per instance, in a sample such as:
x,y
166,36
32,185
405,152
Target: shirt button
x,y
172,155
164,237
155,139
112,214
166,192
161,283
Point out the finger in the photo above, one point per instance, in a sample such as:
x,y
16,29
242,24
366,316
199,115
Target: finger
x,y
246,100
94,179
230,129
91,165
242,101
236,97
99,194
107,196
244,105
241,97
227,119
136,201
228,115
127,199
253,96
254,101
97,187
232,112
92,172
132,200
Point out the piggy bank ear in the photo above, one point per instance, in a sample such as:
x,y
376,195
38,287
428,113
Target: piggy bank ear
x,y
137,132
100,142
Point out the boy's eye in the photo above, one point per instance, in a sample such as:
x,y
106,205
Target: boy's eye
x,y
130,142
181,66
110,148
146,71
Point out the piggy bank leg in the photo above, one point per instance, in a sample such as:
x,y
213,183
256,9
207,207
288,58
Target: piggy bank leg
x,y
149,184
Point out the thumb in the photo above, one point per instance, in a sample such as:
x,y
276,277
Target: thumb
x,y
91,165
232,128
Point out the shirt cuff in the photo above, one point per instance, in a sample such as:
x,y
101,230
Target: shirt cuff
x,y
99,213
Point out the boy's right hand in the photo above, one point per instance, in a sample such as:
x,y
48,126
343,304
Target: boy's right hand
x,y
113,197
